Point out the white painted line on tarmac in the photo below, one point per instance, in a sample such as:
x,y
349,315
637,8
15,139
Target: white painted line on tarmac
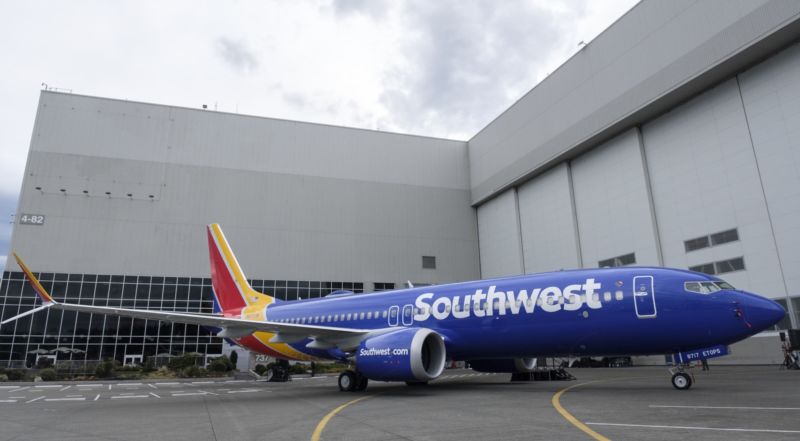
x,y
35,399
234,381
65,388
187,394
8,401
167,384
48,385
658,406
155,395
19,398
97,397
202,382
152,385
245,391
720,429
109,387
65,399
8,387
208,393
128,396
22,388
130,384
74,396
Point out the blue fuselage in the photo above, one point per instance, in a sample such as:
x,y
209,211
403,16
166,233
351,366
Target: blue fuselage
x,y
619,311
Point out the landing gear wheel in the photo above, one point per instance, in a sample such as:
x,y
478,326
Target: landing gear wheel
x,y
361,383
682,381
347,381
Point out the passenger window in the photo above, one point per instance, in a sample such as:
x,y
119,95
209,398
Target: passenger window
x,y
619,295
385,314
369,315
349,315
607,296
361,316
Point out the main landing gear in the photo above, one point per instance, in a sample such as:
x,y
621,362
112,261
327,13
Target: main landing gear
x,y
352,381
681,379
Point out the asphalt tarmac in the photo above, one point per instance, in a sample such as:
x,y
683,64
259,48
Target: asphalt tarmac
x,y
728,402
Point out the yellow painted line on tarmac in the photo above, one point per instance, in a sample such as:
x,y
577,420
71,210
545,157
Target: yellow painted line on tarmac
x,y
569,417
316,436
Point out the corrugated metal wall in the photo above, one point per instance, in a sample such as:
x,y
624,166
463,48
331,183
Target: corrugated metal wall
x,y
298,201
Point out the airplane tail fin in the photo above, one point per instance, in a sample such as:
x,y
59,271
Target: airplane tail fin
x,y
230,287
47,299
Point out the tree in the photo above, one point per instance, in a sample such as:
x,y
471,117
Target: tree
x,y
234,358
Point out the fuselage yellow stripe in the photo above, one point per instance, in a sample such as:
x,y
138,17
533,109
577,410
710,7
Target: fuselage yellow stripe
x,y
282,348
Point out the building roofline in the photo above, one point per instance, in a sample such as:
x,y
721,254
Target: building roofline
x,y
253,116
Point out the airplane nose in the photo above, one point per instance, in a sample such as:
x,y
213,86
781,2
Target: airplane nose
x,y
764,313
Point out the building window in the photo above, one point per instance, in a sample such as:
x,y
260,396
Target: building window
x,y
625,259
720,267
429,262
382,286
83,339
711,240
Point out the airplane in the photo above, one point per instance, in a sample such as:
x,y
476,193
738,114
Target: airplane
x,y
497,325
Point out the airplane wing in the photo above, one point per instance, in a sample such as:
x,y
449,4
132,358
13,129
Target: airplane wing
x,y
323,336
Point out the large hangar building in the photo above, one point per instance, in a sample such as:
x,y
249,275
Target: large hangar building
x,y
671,139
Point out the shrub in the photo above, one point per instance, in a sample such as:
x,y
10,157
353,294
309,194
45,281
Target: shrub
x,y
16,374
149,365
299,368
191,372
44,362
234,359
220,364
3,378
48,374
106,369
182,362
260,369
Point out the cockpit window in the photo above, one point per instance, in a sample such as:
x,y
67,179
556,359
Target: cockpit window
x,y
724,285
706,287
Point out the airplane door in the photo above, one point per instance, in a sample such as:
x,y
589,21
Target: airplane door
x,y
644,298
408,315
394,315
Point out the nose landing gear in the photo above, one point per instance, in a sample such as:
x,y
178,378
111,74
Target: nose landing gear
x,y
681,379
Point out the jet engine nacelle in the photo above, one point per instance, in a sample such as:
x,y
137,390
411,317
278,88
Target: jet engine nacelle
x,y
408,354
510,365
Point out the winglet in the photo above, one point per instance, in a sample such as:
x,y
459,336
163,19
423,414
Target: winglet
x,y
40,291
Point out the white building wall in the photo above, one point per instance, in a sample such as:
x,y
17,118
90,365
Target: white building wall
x,y
498,233
771,94
297,201
612,202
705,180
655,56
547,222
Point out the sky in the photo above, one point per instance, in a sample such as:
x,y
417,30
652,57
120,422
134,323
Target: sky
x,y
443,68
